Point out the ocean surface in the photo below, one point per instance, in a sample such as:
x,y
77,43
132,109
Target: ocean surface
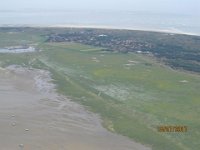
x,y
177,23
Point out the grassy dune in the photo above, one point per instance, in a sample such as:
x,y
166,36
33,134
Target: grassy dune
x,y
133,93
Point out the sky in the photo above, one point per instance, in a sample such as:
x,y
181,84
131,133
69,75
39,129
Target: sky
x,y
168,6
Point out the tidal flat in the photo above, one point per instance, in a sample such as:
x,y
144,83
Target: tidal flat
x,y
34,116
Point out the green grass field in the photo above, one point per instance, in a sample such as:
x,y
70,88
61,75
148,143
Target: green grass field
x,y
133,93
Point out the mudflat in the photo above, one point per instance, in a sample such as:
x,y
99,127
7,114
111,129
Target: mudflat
x,y
34,116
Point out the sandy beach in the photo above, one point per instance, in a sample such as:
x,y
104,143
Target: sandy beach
x,y
169,31
34,117
166,31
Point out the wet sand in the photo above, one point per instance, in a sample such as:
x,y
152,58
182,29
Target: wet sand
x,y
34,117
168,31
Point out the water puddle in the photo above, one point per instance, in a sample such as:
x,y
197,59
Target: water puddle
x,y
17,49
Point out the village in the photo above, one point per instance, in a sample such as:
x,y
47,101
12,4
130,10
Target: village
x,y
108,41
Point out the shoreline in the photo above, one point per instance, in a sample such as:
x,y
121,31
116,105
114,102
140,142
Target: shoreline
x,y
168,31
124,28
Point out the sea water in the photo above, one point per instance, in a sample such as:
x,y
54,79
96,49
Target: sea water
x,y
179,23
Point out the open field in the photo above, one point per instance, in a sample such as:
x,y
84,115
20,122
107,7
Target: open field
x,y
133,93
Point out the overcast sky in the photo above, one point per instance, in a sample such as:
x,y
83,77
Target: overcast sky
x,y
174,6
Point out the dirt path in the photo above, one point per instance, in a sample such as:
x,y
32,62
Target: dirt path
x,y
34,117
